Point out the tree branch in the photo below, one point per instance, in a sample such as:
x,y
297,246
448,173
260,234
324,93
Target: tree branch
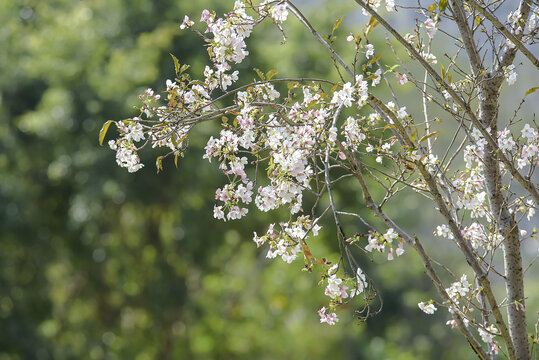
x,y
463,244
414,242
467,38
305,22
527,184
509,35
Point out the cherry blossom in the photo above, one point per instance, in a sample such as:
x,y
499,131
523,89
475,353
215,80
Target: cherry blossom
x,y
285,143
427,308
431,26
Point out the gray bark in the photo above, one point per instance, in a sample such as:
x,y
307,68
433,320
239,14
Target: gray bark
x,y
504,220
508,228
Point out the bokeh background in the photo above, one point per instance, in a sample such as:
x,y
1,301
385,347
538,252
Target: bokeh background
x,y
96,263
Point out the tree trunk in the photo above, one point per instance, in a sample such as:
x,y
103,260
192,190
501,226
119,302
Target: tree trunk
x,y
506,226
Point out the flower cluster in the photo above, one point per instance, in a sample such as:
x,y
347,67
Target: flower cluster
x,y
290,240
380,242
337,288
232,197
428,307
487,335
301,138
510,74
330,318
126,150
431,26
375,4
459,289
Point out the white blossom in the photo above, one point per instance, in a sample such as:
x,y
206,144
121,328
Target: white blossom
x,y
427,308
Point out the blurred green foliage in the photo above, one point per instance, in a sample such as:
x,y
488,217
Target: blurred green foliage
x,y
96,263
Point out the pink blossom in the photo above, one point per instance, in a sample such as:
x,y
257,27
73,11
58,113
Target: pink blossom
x,y
431,26
403,79
331,319
206,17
186,22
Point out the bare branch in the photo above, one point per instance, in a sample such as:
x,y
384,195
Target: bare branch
x,y
509,35
467,38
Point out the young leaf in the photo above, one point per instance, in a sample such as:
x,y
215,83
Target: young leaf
x,y
197,82
103,131
390,68
176,64
432,7
260,74
271,74
428,136
375,59
184,67
442,5
414,135
292,85
443,71
159,163
337,24
371,25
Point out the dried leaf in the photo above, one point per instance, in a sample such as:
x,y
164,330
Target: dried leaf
x,y
531,91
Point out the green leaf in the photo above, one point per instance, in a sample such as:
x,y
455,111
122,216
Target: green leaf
x,y
432,7
443,71
197,82
428,136
391,68
413,137
442,5
271,74
103,131
337,24
260,74
478,20
531,91
292,85
184,67
176,64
